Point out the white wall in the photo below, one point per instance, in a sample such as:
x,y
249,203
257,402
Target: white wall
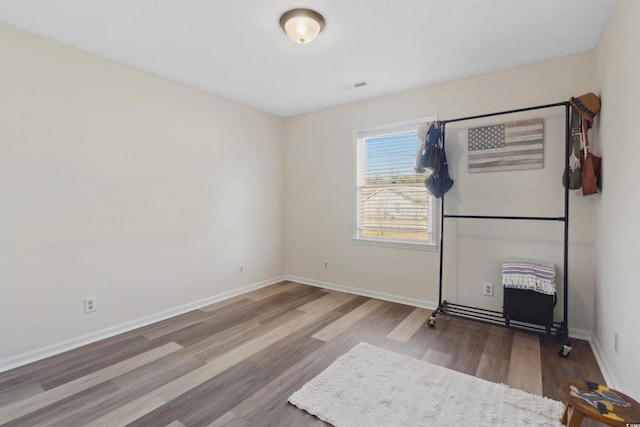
x,y
618,232
320,184
126,186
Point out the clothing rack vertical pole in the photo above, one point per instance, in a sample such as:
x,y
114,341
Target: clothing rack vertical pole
x,y
441,231
565,284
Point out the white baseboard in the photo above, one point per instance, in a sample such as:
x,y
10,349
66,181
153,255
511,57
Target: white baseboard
x,y
603,363
365,292
580,334
52,350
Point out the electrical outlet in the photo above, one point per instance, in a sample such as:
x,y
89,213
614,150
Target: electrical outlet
x,y
89,305
616,343
487,289
241,269
326,264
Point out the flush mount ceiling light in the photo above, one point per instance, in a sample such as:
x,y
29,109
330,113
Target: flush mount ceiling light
x,y
302,25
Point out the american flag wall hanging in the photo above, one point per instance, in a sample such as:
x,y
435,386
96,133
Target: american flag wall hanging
x,y
509,146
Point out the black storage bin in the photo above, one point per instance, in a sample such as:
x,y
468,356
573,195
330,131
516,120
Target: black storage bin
x,y
526,305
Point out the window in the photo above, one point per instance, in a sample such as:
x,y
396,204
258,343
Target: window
x,y
394,206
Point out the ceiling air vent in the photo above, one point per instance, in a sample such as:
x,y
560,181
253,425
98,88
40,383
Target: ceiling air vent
x,y
360,84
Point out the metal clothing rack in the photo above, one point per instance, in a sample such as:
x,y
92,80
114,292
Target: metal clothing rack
x,y
561,328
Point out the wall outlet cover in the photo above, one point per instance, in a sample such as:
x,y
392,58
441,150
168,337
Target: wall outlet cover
x,y
487,289
90,305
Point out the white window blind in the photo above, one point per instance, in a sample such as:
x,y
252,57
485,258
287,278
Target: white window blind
x,y
393,202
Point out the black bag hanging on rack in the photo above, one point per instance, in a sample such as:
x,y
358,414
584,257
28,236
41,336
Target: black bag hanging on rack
x,y
431,146
575,176
575,173
439,182
429,157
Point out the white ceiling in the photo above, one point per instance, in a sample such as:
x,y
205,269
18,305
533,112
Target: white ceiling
x,y
236,49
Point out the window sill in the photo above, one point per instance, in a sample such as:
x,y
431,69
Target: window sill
x,y
396,245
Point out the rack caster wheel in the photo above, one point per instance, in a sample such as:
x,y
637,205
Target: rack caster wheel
x,y
432,321
564,351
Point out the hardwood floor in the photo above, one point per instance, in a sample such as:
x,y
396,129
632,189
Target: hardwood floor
x,y
236,362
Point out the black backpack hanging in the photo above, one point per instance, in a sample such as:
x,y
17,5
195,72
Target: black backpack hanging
x,y
431,146
429,157
439,182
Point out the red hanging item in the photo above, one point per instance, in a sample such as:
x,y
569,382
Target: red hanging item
x,y
591,166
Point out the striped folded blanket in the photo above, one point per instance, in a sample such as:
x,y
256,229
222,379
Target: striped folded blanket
x,y
522,273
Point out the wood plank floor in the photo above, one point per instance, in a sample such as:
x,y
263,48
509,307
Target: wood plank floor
x,y
236,362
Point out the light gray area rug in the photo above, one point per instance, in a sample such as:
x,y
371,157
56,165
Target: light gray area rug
x,y
370,386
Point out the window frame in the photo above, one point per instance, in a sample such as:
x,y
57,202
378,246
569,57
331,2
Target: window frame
x,y
403,243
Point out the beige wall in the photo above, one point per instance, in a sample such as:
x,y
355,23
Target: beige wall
x,y
126,186
617,290
320,191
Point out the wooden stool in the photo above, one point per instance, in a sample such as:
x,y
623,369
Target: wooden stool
x,y
598,402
